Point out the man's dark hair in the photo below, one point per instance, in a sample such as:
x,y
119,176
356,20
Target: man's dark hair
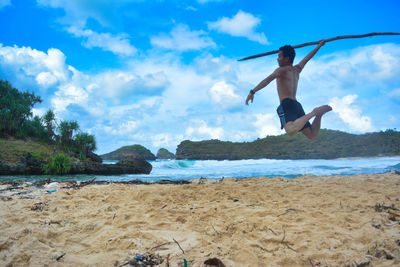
x,y
288,51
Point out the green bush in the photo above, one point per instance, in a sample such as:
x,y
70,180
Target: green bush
x,y
59,165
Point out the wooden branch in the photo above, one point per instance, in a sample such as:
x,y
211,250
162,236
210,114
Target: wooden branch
x,y
153,248
327,40
179,245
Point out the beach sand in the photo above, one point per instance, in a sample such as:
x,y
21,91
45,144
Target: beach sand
x,y
307,221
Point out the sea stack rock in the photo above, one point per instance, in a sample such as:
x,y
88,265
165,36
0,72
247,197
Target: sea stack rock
x,y
134,151
165,154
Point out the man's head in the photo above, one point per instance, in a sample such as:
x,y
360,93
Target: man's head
x,y
286,55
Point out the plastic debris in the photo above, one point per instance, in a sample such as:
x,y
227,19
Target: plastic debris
x,y
52,186
145,260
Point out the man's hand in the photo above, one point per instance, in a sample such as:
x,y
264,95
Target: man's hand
x,y
250,97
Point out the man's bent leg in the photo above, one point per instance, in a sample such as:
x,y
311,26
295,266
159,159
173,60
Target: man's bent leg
x,y
313,132
293,127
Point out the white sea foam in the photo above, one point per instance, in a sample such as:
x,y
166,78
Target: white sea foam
x,y
213,169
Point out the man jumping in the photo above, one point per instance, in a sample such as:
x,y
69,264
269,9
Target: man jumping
x,y
291,113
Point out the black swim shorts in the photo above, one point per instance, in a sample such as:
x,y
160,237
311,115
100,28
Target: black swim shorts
x,y
290,110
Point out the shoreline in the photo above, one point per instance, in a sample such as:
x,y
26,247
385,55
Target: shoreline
x,y
189,170
322,220
162,181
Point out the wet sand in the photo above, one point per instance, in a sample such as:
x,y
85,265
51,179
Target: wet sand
x,y
307,221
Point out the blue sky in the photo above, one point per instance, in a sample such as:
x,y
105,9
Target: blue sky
x,y
159,72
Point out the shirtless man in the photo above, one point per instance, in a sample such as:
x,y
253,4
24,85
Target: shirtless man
x,y
291,113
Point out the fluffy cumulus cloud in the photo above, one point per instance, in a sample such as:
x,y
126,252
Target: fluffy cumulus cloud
x,y
58,82
201,131
28,64
62,85
125,128
77,13
267,124
164,140
118,44
374,63
181,38
69,94
223,94
351,114
4,3
117,84
241,25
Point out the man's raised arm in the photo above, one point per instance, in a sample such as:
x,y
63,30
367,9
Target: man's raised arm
x,y
261,85
304,61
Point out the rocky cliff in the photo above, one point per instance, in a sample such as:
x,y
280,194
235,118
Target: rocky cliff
x,y
329,144
134,151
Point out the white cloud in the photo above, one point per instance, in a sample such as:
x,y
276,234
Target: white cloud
x,y
370,63
267,124
77,12
26,63
38,112
69,94
181,38
118,44
351,114
46,79
117,84
162,139
241,25
191,8
395,94
203,131
4,3
387,64
125,128
224,94
166,140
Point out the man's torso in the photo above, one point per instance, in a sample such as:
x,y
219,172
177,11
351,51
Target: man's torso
x,y
287,81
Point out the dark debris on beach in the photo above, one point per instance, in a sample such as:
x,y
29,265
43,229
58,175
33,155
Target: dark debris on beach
x,y
31,190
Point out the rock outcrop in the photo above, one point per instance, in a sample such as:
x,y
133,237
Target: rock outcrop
x,y
126,166
26,165
165,154
94,157
29,165
135,151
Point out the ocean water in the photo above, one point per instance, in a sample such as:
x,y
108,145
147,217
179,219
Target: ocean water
x,y
213,169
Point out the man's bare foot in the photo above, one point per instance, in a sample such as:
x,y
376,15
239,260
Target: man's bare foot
x,y
322,110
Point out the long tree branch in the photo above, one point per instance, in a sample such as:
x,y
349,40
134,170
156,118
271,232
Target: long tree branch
x,y
327,40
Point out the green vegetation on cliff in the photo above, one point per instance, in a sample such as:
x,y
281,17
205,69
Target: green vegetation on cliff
x,y
329,144
16,122
134,151
11,150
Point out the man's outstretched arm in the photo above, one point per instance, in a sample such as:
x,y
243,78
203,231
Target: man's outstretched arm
x,y
261,85
304,61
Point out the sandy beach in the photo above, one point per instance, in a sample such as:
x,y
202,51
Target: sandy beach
x,y
307,221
